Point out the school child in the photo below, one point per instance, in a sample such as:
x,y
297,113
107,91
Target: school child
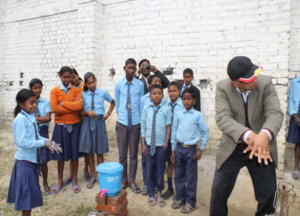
x,y
66,101
78,82
145,100
294,129
175,104
188,76
43,117
155,130
128,92
93,136
188,125
24,190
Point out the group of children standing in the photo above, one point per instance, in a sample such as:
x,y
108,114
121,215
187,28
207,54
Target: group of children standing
x,y
169,132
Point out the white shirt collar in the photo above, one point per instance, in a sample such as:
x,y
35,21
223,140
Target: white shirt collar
x,y
244,94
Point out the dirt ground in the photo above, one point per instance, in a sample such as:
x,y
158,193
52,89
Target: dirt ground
x,y
241,202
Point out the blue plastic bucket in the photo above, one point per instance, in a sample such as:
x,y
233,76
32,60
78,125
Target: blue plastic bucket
x,y
110,176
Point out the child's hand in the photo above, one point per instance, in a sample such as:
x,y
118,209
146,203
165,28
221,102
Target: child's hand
x,y
173,157
61,104
106,116
91,114
52,146
166,146
144,151
198,155
76,99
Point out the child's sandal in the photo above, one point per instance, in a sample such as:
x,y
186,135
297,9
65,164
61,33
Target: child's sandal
x,y
151,201
144,191
177,204
57,188
161,202
47,191
188,208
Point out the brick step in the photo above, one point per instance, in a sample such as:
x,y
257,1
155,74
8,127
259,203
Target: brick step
x,y
112,201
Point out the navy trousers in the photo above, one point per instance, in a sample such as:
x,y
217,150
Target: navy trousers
x,y
144,164
186,174
155,170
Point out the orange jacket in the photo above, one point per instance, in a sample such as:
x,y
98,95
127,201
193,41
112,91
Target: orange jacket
x,y
68,113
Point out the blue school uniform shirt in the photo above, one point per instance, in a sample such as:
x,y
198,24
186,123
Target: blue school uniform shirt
x,y
294,96
44,108
163,119
136,92
145,100
25,138
178,106
100,96
184,87
66,90
187,127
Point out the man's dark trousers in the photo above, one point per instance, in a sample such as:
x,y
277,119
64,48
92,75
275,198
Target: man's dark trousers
x,y
186,174
263,178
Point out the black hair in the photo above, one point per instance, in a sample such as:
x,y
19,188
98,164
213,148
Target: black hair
x,y
143,61
35,81
152,77
130,61
75,72
188,70
63,70
190,91
86,76
174,83
156,86
22,96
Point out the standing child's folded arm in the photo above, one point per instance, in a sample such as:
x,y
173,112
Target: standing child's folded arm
x,y
204,131
74,105
54,105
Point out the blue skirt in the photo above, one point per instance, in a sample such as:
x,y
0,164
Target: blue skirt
x,y
24,189
294,132
96,141
69,142
44,152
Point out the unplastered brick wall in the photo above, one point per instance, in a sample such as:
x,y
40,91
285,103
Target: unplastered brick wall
x,y
202,35
36,48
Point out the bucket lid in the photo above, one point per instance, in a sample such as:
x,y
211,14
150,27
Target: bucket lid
x,y
109,168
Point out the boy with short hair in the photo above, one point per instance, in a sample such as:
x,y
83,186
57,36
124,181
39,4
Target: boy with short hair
x,y
188,76
188,125
128,92
155,130
145,100
175,104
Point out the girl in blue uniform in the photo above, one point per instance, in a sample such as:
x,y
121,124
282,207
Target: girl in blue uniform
x,y
24,190
93,137
43,117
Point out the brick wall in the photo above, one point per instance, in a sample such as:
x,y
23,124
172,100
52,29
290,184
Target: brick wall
x,y
96,35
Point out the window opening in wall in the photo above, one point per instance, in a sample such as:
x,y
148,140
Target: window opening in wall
x,y
21,83
168,70
21,74
112,72
11,83
204,83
